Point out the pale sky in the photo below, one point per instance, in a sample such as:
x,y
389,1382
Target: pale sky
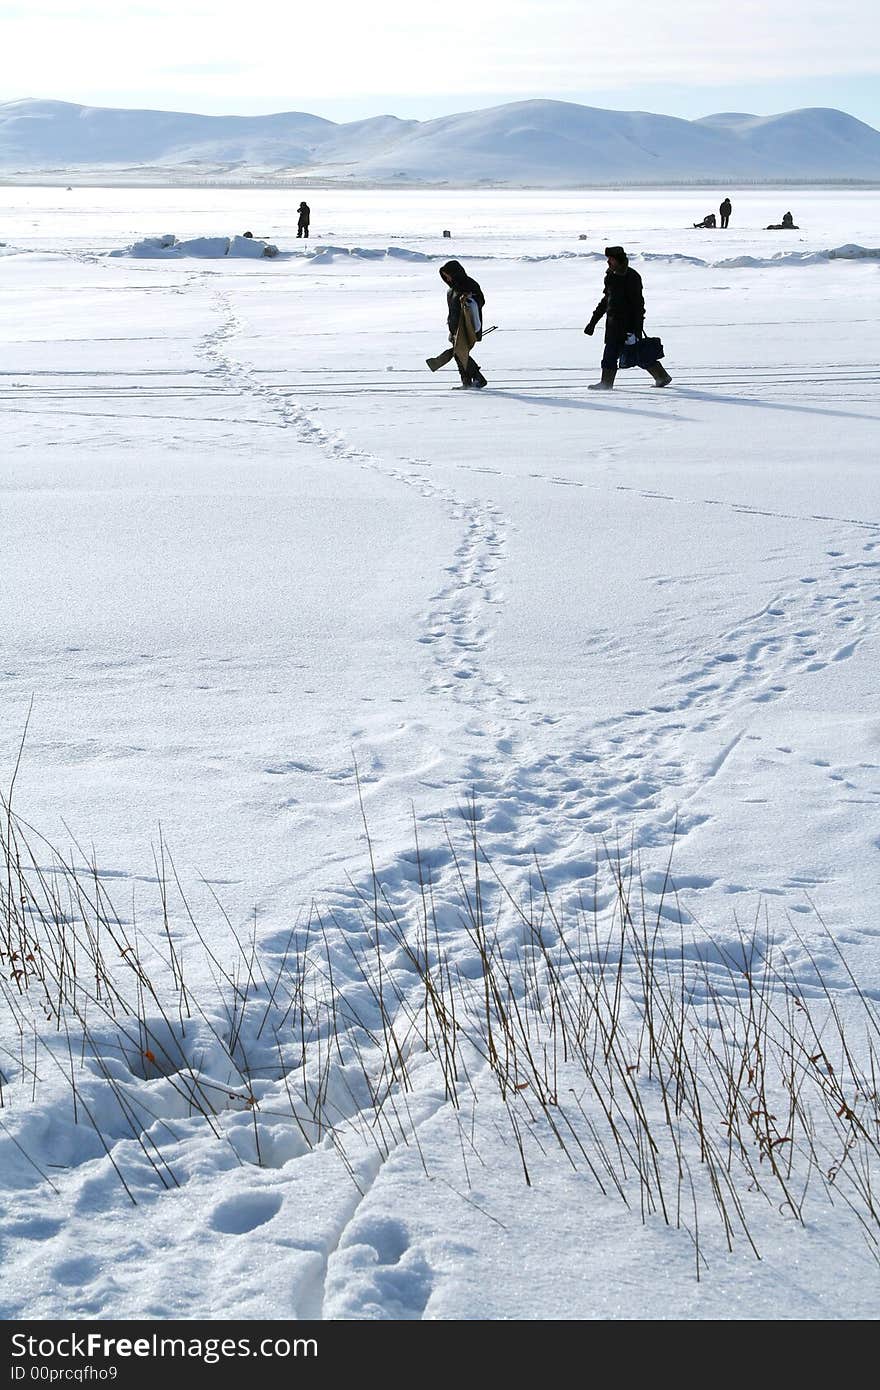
x,y
348,60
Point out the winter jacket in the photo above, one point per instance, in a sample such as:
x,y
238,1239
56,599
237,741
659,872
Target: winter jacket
x,y
461,284
623,303
305,213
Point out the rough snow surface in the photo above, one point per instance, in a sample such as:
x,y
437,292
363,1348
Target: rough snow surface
x,y
264,573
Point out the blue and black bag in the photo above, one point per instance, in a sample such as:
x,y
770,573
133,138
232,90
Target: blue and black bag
x,y
644,352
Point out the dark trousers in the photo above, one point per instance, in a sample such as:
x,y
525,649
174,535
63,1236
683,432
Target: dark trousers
x,y
468,372
303,229
725,220
612,352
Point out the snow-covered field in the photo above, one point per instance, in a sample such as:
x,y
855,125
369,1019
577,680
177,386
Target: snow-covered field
x,y
254,555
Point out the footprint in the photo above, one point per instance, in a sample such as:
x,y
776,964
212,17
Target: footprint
x,y
388,1237
292,766
375,1275
76,1272
238,1215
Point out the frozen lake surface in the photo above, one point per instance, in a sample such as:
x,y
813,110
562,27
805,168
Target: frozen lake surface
x,y
261,568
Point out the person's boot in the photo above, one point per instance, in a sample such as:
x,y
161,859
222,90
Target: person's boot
x,y
475,376
660,374
607,382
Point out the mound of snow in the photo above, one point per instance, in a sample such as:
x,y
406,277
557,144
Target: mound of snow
x,y
150,246
564,256
402,254
854,253
837,253
251,248
325,255
203,247
671,258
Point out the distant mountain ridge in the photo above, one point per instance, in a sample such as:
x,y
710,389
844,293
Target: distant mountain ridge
x,y
537,143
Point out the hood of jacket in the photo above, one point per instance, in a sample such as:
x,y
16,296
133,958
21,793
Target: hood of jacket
x,y
457,275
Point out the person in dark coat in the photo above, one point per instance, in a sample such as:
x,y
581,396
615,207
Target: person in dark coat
x,y
623,307
302,227
786,225
464,309
708,220
725,210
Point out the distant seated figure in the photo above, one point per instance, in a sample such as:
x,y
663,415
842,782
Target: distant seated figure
x,y
249,235
708,221
447,233
787,224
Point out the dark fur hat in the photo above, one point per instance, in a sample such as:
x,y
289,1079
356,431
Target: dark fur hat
x,y
618,253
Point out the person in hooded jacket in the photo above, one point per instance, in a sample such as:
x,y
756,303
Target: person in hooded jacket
x,y
623,307
302,226
786,225
464,308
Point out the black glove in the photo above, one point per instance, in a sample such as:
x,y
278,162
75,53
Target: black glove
x,y
590,328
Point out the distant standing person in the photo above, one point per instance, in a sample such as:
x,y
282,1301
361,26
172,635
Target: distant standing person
x,y
305,212
623,307
725,209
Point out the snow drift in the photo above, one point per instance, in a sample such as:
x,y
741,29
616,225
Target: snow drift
x,y
203,247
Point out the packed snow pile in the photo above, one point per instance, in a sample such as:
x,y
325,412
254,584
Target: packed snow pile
x,y
203,247
790,258
672,258
325,255
564,256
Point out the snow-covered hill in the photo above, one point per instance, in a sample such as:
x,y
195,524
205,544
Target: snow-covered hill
x,y
534,143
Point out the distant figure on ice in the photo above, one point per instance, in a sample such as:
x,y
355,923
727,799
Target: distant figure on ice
x,y
708,221
302,227
623,305
725,210
464,319
786,225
